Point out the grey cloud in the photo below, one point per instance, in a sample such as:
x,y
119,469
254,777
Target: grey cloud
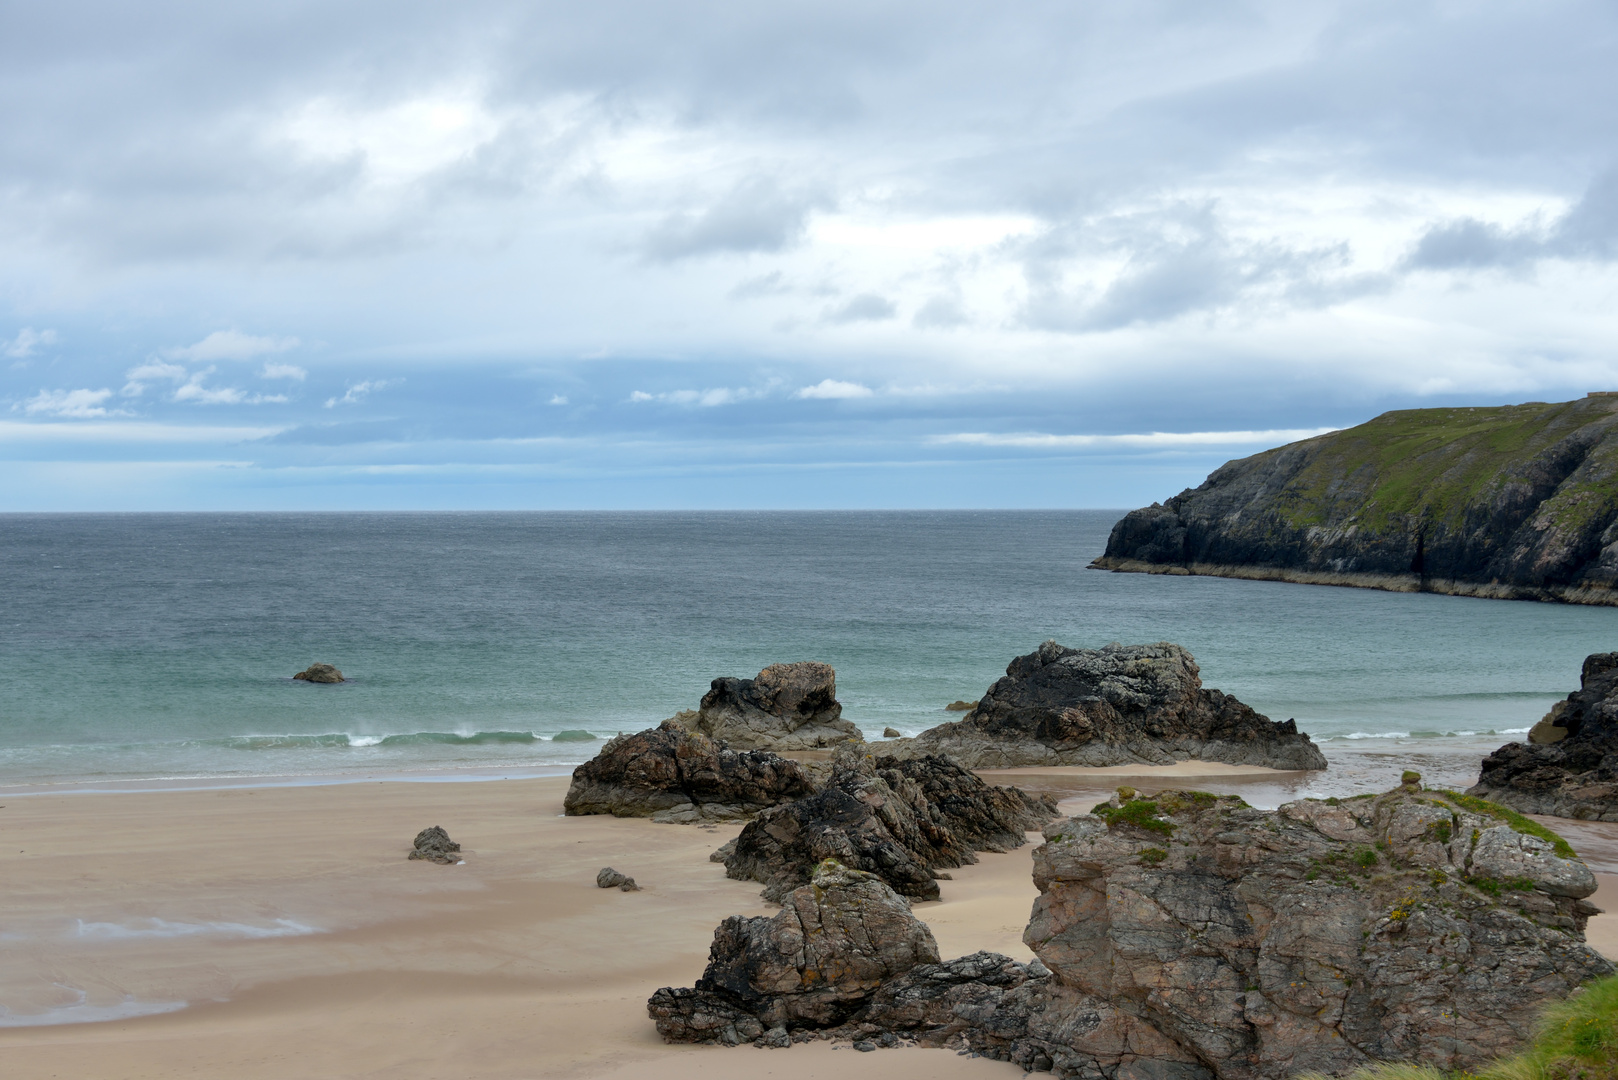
x,y
1589,230
756,216
940,313
866,307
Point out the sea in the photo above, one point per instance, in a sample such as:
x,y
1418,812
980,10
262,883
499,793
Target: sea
x,y
157,650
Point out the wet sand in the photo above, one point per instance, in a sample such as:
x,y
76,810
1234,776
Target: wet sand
x,y
366,964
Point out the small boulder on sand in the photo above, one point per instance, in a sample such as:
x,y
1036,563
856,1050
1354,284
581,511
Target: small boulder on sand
x,y
321,673
608,878
434,845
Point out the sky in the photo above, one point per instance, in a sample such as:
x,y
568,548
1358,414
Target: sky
x,y
620,255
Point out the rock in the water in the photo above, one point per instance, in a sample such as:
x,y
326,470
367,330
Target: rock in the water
x,y
960,706
892,733
812,964
1571,770
608,878
1118,705
670,774
319,673
901,820
1191,937
1512,502
575,735
787,707
434,845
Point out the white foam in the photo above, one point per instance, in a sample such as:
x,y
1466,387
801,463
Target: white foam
x,y
163,928
81,1012
366,740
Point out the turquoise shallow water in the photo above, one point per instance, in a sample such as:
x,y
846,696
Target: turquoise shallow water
x,y
145,646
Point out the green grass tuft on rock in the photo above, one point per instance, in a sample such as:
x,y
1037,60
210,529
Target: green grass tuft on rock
x,y
1505,814
1140,813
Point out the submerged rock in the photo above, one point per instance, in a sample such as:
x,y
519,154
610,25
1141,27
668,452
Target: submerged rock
x,y
1571,768
786,707
670,774
960,706
434,845
901,820
575,735
1118,705
319,673
608,878
1191,937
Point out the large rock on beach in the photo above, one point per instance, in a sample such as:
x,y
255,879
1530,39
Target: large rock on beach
x,y
1191,937
1569,768
1118,705
433,844
319,673
901,820
669,774
787,707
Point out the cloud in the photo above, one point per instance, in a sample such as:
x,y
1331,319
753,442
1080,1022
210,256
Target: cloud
x,y
1588,230
834,389
558,399
755,216
721,395
867,307
231,345
195,392
78,404
940,313
1147,440
273,370
358,392
27,342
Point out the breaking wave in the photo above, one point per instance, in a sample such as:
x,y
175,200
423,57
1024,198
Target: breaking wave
x,y
344,740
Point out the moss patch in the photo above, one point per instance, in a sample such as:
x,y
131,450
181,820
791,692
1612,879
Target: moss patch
x,y
1140,813
1526,826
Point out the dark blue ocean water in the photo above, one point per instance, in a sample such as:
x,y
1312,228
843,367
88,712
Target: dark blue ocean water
x,y
162,645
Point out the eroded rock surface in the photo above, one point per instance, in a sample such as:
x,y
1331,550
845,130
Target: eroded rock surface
x,y
319,673
901,820
434,845
608,878
1573,770
786,707
1191,937
670,774
1119,705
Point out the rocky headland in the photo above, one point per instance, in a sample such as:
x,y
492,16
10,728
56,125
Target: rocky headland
x,y
902,820
1514,502
1190,937
670,774
1569,766
786,707
1118,705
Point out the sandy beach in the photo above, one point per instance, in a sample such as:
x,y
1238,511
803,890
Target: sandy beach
x,y
289,935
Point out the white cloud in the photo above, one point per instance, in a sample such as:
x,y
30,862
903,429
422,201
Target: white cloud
x,y
194,391
834,389
125,431
152,369
27,341
721,395
558,399
1147,440
79,404
231,345
273,370
359,392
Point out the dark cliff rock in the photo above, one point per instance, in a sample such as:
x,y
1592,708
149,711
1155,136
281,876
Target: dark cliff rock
x,y
1119,705
786,707
901,820
668,774
1575,776
1517,502
1191,937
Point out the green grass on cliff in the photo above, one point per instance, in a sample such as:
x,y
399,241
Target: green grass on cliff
x,y
1434,463
1577,1039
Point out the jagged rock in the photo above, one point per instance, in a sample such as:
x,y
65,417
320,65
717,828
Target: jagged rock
x,y
608,878
1118,705
960,706
1573,774
812,964
786,707
434,845
669,774
1512,502
319,673
892,733
1191,937
902,820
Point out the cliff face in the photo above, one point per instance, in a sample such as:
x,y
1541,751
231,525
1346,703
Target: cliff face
x,y
1515,502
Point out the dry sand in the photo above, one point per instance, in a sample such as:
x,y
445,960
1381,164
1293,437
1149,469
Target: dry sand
x,y
511,965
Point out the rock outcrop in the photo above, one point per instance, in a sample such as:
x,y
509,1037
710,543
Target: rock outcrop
x,y
319,673
434,845
1516,502
608,878
1571,768
1119,705
901,820
669,774
786,707
1191,937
